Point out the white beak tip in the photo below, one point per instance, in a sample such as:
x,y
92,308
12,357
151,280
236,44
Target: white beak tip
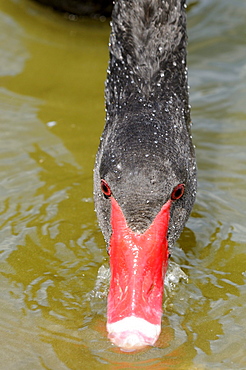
x,y
133,333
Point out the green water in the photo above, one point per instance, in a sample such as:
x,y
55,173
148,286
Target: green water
x,y
52,73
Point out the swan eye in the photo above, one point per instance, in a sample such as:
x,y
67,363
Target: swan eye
x,y
177,192
105,188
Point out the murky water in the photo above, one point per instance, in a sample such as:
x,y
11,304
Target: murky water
x,y
52,73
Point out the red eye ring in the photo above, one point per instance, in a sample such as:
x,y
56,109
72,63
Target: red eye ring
x,y
178,192
105,188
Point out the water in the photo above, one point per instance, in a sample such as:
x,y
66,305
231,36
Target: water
x,y
52,73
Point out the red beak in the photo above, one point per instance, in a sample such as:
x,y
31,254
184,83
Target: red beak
x,y
138,265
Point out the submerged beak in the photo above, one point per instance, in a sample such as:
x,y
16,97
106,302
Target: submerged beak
x,y
138,263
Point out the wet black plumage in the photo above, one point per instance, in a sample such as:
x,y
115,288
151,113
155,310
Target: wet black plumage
x,y
146,148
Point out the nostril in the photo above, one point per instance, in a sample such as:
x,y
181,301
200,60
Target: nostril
x,y
150,290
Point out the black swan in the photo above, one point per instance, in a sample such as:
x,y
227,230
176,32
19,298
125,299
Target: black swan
x,y
145,170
